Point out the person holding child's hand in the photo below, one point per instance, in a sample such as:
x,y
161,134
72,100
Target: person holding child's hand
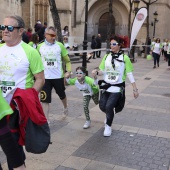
x,y
114,68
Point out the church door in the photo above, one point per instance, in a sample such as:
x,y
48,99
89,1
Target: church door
x,y
103,26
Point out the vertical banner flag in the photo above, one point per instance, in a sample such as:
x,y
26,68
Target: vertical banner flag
x,y
137,24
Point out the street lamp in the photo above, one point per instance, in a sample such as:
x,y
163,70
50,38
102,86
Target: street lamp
x,y
84,63
136,5
155,21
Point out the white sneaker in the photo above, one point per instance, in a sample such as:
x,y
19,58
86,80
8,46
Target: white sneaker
x,y
107,131
105,122
87,124
65,112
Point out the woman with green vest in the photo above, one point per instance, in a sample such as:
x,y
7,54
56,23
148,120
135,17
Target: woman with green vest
x,y
114,68
88,87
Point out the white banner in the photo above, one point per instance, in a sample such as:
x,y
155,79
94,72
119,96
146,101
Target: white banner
x,y
137,24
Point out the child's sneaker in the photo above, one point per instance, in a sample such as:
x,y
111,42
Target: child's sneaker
x,y
87,124
65,112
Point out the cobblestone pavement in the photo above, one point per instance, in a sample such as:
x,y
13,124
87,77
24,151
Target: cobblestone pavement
x,y
141,132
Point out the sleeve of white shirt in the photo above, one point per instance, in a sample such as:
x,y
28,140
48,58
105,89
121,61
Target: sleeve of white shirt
x,y
130,77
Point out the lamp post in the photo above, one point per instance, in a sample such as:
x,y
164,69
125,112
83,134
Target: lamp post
x,y
136,5
84,63
155,21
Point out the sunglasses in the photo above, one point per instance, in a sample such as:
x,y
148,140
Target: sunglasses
x,y
113,44
9,27
79,73
51,35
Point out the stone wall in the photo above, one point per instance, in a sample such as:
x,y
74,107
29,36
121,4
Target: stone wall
x,y
74,17
10,7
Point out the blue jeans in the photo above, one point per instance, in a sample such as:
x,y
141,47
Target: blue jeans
x,y
156,58
107,104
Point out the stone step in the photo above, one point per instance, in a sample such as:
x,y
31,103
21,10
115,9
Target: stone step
x,y
74,58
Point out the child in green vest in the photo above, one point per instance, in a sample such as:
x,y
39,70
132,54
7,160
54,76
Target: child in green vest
x,y
88,87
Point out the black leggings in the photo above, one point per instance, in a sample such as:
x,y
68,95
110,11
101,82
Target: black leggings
x,y
107,104
9,145
168,58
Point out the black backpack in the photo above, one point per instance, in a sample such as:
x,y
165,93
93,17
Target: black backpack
x,y
37,138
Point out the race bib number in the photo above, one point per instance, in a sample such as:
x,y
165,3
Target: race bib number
x,y
85,91
7,87
50,63
112,76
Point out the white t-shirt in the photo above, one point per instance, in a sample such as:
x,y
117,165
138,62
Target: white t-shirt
x,y
165,46
89,87
52,59
156,48
18,65
65,33
117,75
114,76
168,49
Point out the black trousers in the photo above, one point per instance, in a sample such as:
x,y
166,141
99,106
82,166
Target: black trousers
x,y
9,146
98,53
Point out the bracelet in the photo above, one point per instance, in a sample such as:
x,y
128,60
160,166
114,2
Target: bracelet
x,y
135,90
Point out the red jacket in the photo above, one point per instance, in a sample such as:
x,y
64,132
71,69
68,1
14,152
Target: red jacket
x,y
29,106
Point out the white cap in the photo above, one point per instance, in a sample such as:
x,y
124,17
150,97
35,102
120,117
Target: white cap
x,y
38,22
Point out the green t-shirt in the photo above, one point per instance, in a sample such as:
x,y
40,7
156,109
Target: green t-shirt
x,y
5,109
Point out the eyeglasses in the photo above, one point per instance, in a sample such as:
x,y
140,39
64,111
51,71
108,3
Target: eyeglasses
x,y
113,44
51,35
79,73
9,27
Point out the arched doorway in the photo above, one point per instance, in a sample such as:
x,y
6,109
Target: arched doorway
x,y
103,26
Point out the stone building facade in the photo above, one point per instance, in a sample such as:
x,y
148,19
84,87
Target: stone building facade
x,y
72,13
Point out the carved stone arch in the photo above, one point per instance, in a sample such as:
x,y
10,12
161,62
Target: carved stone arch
x,y
41,2
126,4
37,1
45,2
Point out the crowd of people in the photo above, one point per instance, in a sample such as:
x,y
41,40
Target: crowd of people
x,y
38,65
158,49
